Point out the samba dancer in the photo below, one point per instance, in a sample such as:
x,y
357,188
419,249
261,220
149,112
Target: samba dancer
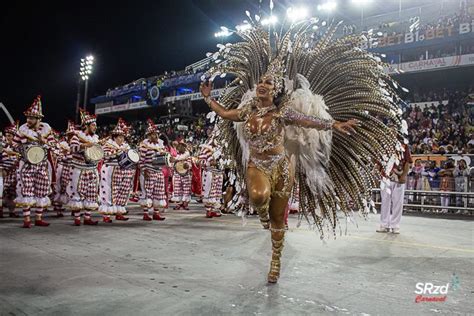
x,y
116,179
63,170
83,189
292,111
8,167
181,177
152,182
33,140
269,172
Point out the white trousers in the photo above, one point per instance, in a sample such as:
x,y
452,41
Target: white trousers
x,y
392,205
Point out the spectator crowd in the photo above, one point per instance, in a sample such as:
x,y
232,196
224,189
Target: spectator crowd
x,y
441,128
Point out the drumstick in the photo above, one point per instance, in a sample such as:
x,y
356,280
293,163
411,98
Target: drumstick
x,y
104,140
30,138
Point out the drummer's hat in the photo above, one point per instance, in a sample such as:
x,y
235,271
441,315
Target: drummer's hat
x,y
121,128
35,110
71,129
87,118
12,128
151,127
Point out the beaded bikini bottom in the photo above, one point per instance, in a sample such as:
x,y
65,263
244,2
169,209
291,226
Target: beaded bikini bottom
x,y
275,167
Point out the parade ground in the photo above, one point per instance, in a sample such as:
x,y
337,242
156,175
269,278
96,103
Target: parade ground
x,y
190,265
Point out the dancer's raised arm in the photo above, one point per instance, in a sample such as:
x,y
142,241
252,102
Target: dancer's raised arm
x,y
294,117
232,115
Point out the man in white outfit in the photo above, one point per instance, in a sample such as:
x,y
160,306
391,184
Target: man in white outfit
x,y
393,195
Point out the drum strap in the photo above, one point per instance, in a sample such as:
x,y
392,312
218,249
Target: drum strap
x,y
83,166
111,163
151,167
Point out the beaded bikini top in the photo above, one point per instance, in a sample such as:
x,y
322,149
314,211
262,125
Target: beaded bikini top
x,y
268,135
271,134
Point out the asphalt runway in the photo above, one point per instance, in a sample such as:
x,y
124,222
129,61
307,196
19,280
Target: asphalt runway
x,y
190,265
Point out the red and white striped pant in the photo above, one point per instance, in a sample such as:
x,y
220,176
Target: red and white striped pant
x,y
122,185
66,176
181,188
9,186
83,189
153,191
63,178
34,185
212,188
115,186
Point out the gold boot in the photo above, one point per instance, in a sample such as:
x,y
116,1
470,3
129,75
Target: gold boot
x,y
278,237
262,212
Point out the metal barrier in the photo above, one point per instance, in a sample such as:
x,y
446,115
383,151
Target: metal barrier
x,y
444,195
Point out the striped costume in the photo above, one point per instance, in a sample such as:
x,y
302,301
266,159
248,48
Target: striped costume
x,y
63,174
152,182
34,180
8,167
83,189
213,177
115,182
182,183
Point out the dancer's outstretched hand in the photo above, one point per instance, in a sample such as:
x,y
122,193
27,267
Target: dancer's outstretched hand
x,y
346,127
206,88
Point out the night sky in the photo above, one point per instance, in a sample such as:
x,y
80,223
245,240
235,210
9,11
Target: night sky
x,y
42,45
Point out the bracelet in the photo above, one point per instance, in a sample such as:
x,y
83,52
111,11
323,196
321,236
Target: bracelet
x,y
208,100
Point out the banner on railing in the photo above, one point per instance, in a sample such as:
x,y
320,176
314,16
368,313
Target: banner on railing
x,y
122,107
193,96
431,64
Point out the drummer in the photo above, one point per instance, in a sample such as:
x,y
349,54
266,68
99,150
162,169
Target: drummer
x,y
9,165
83,189
152,182
213,176
116,180
182,177
33,140
63,170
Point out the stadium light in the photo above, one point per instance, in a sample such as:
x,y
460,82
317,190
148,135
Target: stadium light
x,y
328,6
271,20
296,14
85,70
86,67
